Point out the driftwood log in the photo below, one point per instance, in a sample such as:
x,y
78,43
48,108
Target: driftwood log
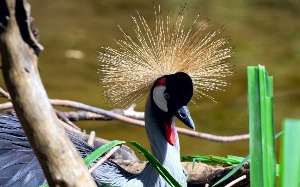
x,y
19,49
58,157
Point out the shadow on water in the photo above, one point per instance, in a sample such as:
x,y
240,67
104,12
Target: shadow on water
x,y
262,32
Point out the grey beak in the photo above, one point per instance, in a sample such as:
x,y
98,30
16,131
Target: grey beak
x,y
183,114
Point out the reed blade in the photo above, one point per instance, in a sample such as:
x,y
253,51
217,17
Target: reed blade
x,y
256,174
261,128
290,154
156,164
93,156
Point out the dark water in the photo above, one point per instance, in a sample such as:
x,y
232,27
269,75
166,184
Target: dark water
x,y
263,32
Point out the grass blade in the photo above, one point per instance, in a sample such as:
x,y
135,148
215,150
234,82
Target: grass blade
x,y
242,161
212,159
267,127
224,160
237,159
261,127
156,164
152,160
290,154
232,171
92,157
197,158
256,172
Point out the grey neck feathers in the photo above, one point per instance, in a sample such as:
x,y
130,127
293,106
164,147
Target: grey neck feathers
x,y
167,155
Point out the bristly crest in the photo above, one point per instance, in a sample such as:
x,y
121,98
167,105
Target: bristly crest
x,y
169,47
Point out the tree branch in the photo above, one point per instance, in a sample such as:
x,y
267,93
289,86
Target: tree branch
x,y
93,113
140,123
57,155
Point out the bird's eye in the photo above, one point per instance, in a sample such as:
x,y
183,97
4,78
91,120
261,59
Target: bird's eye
x,y
167,95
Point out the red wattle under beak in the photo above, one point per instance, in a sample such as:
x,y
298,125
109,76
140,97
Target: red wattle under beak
x,y
170,133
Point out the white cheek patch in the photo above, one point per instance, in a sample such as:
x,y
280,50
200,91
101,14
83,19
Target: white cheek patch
x,y
159,99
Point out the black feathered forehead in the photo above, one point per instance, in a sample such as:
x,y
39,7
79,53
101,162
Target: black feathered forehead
x,y
179,86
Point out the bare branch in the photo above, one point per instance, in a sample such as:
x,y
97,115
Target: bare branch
x,y
104,158
91,138
19,47
5,94
81,106
212,137
130,112
6,106
101,114
236,181
64,118
83,115
140,123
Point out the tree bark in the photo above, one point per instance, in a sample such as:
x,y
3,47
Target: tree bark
x,y
60,161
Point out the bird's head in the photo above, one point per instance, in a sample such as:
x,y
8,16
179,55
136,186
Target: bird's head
x,y
141,59
171,94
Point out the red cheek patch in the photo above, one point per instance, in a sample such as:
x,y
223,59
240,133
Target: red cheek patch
x,y
161,82
170,133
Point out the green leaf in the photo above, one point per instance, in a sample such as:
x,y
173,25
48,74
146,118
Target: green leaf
x,y
290,154
256,174
156,164
92,157
212,159
232,171
261,127
237,159
198,158
242,161
224,160
89,159
267,127
45,184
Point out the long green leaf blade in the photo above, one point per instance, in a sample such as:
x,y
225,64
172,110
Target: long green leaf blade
x,y
261,127
156,164
212,159
242,161
88,160
232,171
290,154
93,156
267,127
256,172
197,158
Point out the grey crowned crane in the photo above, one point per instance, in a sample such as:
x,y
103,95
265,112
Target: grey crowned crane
x,y
170,64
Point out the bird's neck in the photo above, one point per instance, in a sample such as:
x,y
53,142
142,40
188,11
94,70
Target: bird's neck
x,y
168,155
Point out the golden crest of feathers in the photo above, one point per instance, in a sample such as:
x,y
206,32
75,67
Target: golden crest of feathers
x,y
169,47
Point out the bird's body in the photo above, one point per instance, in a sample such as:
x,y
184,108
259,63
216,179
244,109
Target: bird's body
x,y
168,155
22,168
167,62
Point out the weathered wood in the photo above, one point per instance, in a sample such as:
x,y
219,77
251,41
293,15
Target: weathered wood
x,y
54,150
